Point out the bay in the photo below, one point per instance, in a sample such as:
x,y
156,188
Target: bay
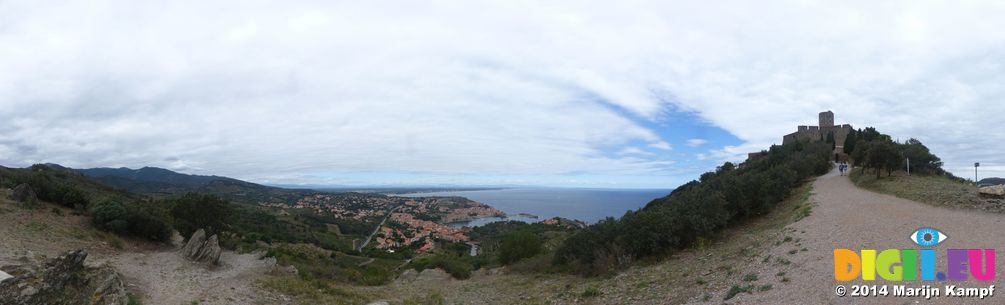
x,y
589,205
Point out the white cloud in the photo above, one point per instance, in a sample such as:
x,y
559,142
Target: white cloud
x,y
634,151
262,90
661,145
696,142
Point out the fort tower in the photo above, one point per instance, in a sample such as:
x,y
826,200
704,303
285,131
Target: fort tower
x,y
826,119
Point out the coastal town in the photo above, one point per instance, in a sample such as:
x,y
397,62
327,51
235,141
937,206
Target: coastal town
x,y
414,222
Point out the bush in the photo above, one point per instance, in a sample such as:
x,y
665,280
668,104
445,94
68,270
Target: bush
x,y
519,245
149,222
110,216
458,267
734,290
49,187
696,210
590,292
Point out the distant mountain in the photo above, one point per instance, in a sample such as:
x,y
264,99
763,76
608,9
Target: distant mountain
x,y
154,180
148,179
991,181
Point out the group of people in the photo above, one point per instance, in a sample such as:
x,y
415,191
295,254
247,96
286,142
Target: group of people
x,y
843,167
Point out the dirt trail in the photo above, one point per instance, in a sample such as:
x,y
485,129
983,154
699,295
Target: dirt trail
x,y
853,218
165,277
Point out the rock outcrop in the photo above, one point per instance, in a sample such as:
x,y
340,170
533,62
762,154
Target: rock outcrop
x,y
201,249
427,275
992,191
25,195
62,280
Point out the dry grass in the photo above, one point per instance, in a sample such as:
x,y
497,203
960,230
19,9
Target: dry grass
x,y
314,291
933,190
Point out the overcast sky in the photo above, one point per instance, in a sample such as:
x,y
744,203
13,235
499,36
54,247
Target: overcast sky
x,y
576,93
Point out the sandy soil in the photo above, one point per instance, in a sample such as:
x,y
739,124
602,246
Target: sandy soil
x,y
853,218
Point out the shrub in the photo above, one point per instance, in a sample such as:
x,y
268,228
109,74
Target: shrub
x,y
192,212
134,300
458,267
149,222
733,291
110,216
696,210
519,245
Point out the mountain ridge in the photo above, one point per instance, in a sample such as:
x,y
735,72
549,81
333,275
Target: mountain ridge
x,y
156,180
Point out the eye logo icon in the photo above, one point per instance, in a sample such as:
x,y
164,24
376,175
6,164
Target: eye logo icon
x,y
928,237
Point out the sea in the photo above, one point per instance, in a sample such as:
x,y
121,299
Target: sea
x,y
537,204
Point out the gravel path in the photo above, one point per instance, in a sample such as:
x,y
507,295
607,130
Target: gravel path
x,y
853,218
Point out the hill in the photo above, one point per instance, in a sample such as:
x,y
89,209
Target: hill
x,y
148,179
159,181
991,181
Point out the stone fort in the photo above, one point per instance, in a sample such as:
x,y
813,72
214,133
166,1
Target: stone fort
x,y
820,133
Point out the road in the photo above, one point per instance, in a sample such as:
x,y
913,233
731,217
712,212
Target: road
x,y
377,229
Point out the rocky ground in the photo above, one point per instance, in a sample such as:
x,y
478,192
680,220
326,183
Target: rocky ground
x,y
157,274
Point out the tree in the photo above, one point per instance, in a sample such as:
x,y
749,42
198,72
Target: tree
x,y
194,211
922,160
695,211
850,141
883,155
858,156
519,245
869,134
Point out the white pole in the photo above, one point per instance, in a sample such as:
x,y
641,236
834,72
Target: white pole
x,y
908,166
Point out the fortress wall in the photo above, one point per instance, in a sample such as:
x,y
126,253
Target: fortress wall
x,y
819,133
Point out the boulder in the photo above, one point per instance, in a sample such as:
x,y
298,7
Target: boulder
x,y
201,249
25,195
992,191
194,243
210,251
62,280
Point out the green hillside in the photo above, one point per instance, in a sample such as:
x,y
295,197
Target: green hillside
x,y
161,182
